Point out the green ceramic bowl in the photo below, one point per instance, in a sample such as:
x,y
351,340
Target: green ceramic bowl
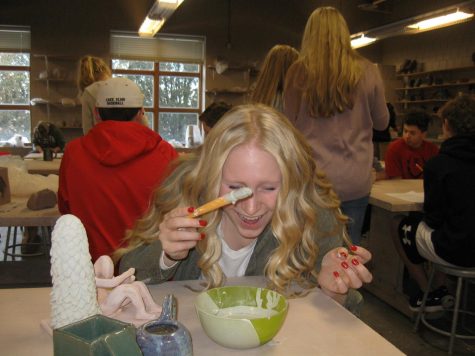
x,y
241,317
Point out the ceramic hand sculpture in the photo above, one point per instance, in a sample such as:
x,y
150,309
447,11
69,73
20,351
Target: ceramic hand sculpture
x,y
73,296
114,293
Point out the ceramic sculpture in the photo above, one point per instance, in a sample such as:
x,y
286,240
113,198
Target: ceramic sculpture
x,y
116,293
81,290
73,297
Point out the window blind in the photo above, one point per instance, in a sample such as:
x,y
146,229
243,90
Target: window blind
x,y
15,38
163,48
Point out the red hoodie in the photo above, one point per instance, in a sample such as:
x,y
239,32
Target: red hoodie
x,y
107,177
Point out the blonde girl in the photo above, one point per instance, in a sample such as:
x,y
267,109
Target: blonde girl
x,y
90,70
289,230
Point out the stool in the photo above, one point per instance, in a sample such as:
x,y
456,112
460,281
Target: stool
x,y
462,274
11,243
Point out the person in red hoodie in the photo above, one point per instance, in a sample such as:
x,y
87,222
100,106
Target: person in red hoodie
x,y
107,177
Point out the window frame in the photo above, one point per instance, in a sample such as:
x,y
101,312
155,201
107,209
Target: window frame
x,y
8,68
157,73
17,69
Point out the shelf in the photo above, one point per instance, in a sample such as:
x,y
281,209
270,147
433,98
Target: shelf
x,y
57,57
421,74
250,69
57,80
226,92
426,101
41,101
447,85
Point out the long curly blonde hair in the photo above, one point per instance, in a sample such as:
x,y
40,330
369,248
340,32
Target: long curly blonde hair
x,y
197,178
333,68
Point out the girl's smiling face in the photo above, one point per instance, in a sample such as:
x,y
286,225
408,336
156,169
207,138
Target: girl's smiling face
x,y
248,165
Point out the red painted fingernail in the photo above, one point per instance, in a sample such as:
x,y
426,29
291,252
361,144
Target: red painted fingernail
x,y
203,222
353,248
336,274
343,254
191,209
355,262
344,265
202,235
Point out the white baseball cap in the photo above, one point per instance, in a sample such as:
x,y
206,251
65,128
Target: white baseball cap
x,y
119,93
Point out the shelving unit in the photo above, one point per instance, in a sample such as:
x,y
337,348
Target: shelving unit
x,y
421,87
429,90
232,85
57,91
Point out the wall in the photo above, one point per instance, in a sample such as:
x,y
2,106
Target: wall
x,y
69,29
242,37
448,47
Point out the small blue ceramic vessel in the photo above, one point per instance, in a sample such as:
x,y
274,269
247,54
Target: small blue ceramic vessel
x,y
165,336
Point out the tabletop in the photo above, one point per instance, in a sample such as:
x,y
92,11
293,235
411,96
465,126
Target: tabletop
x,y
36,165
16,213
381,190
315,325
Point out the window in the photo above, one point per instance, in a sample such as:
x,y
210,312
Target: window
x,y
15,83
170,74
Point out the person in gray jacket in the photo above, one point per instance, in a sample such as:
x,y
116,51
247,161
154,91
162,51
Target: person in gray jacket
x,y
290,229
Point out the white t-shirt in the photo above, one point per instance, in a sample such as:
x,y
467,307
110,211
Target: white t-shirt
x,y
232,262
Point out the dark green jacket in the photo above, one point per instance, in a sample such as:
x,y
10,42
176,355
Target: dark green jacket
x,y
146,259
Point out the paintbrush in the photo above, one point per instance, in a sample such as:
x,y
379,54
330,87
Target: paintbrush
x,y
229,198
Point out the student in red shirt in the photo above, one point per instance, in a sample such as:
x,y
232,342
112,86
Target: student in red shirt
x,y
405,157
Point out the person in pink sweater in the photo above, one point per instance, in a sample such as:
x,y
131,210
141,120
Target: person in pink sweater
x,y
335,98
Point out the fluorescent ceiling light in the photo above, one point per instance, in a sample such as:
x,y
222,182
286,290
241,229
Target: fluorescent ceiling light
x,y
361,41
150,27
441,21
156,17
452,15
177,2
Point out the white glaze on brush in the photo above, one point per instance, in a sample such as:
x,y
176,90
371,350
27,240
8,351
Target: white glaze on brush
x,y
238,194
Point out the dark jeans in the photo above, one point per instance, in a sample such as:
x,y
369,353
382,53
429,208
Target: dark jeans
x,y
355,210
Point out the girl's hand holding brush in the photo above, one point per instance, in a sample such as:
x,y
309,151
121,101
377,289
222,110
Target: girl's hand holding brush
x,y
179,234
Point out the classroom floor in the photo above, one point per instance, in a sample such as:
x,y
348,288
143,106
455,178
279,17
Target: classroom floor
x,y
397,328
385,320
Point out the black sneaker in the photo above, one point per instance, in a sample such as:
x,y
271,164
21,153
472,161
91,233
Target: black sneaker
x,y
437,300
447,300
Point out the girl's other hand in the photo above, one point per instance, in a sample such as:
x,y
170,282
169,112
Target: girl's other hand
x,y
342,270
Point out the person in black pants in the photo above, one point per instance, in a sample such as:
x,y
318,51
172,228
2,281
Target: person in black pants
x,y
445,234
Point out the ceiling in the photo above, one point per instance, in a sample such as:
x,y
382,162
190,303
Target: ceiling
x,y
250,26
196,16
